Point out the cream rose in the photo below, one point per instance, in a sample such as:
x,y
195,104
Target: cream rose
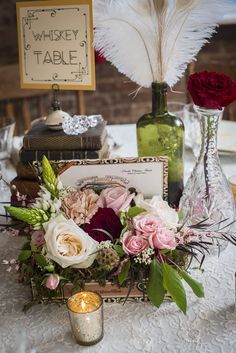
x,y
160,208
67,244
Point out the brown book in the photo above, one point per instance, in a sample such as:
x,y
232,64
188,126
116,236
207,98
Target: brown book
x,y
63,155
39,137
25,187
26,171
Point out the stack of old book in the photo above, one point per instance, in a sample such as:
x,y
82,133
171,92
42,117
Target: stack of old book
x,y
56,146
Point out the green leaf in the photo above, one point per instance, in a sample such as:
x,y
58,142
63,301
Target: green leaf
x,y
123,218
41,260
118,248
24,255
33,247
155,289
172,283
165,251
196,286
135,211
123,275
181,215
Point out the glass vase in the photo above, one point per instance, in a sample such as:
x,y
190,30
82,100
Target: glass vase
x,y
207,195
161,133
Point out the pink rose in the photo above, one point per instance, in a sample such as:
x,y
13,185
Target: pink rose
x,y
147,225
133,244
117,198
163,239
37,238
52,281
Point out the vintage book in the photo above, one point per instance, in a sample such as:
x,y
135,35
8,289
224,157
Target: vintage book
x,y
39,137
25,187
26,171
54,155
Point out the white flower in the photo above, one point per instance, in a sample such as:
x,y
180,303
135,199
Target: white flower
x,y
59,184
67,244
159,207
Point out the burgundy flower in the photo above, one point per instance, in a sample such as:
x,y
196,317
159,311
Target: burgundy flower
x,y
99,58
103,222
211,90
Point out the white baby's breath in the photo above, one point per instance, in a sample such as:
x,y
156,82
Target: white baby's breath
x,y
145,257
107,244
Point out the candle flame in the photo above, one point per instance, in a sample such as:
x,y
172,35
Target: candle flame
x,y
83,304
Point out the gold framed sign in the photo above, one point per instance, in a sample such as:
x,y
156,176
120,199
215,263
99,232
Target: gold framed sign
x,y
55,40
148,175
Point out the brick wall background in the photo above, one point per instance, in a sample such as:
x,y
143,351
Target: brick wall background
x,y
112,95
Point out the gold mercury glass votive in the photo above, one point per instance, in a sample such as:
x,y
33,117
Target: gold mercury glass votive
x,y
232,183
86,317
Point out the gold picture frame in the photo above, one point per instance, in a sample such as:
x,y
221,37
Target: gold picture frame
x,y
60,61
140,177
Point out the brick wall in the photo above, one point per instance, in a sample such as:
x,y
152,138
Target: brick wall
x,y
112,95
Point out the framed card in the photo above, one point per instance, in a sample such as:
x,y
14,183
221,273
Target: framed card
x,y
148,175
55,40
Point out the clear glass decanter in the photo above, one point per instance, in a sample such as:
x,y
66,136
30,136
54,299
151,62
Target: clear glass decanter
x,y
207,195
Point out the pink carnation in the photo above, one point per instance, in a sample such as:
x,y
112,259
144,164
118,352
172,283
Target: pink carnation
x,y
117,198
133,244
80,206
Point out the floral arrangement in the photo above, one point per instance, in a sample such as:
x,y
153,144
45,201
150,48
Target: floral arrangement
x,y
110,234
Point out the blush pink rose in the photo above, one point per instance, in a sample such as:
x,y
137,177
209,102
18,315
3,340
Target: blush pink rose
x,y
133,244
37,238
117,198
147,225
163,239
52,281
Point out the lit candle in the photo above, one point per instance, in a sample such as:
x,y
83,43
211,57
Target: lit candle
x,y
86,317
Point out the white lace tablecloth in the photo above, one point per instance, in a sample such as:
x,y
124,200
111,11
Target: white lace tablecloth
x,y
208,327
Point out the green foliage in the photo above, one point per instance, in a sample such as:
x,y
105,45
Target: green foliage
x,y
172,283
123,219
123,275
49,177
155,289
33,247
32,216
24,255
135,211
196,286
41,260
118,248
181,215
49,268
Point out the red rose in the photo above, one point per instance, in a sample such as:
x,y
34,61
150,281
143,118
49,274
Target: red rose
x,y
99,58
104,221
211,90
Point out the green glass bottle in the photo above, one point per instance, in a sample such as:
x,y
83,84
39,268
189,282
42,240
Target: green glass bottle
x,y
161,133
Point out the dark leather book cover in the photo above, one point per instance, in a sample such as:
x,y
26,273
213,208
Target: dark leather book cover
x,y
26,171
54,155
39,137
25,187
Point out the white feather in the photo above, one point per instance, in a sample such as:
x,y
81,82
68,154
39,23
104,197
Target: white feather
x,y
154,40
